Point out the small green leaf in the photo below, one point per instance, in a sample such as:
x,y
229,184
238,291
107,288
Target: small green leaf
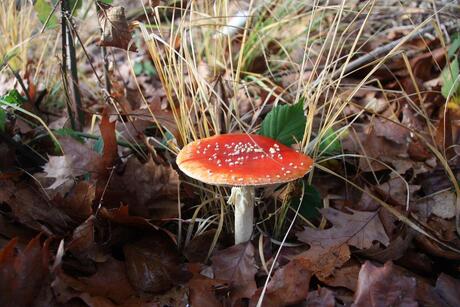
x,y
311,202
330,143
2,120
44,10
138,68
450,79
285,124
149,69
13,97
454,45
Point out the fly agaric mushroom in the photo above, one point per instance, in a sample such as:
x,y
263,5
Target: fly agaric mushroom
x,y
242,161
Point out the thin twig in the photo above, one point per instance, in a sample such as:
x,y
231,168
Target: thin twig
x,y
73,65
64,66
376,53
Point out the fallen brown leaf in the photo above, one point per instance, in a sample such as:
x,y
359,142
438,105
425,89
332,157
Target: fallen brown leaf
x,y
203,290
153,264
236,265
123,217
83,243
32,208
449,289
77,203
384,286
346,276
329,247
391,130
289,285
322,297
24,277
110,281
149,189
78,159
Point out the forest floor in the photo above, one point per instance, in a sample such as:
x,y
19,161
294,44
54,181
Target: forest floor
x,y
97,98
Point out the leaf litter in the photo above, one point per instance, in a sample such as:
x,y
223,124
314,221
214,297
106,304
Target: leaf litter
x,y
104,222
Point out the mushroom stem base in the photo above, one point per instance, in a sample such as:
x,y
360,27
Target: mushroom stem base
x,y
243,200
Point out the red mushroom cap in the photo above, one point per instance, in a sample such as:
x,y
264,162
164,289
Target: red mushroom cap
x,y
242,160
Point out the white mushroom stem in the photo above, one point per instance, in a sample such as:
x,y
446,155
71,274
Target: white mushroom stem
x,y
243,200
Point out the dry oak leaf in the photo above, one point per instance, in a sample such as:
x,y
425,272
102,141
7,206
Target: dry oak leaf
x,y
237,266
329,247
289,285
384,286
115,28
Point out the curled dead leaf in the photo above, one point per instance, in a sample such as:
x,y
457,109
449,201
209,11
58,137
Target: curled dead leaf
x,y
115,28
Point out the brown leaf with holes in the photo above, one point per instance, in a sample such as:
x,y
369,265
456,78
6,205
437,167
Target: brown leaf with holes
x,y
289,285
24,277
329,247
237,266
115,28
384,286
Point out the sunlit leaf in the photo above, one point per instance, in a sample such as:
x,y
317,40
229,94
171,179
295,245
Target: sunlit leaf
x,y
285,124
